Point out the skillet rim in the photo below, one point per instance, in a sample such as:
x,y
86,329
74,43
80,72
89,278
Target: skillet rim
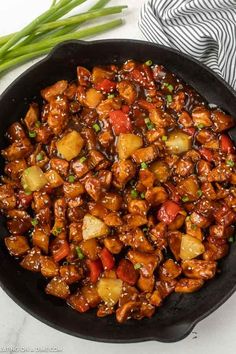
x,y
186,327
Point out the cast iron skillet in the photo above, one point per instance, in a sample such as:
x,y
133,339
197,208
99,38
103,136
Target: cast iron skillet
x,y
180,313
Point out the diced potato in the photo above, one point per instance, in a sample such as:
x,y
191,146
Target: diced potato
x,y
93,98
33,179
32,261
201,116
54,178
40,239
161,170
146,284
17,245
73,190
99,74
91,295
127,91
109,290
190,247
178,222
70,273
178,142
148,261
49,268
112,201
113,244
93,227
70,145
189,187
127,144
90,248
54,90
58,287
193,230
78,302
146,154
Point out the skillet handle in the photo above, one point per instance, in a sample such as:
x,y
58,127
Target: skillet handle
x,y
174,332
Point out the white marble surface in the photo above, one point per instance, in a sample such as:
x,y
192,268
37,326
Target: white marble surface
x,y
19,331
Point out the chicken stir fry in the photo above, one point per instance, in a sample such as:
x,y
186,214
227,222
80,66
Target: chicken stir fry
x,y
120,188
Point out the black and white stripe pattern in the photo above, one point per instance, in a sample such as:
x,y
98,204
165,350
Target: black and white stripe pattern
x,y
204,29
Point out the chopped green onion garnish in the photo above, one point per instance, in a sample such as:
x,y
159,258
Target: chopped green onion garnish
x,y
79,253
148,62
169,99
170,87
145,229
134,193
231,239
142,195
149,99
144,166
57,231
230,163
82,159
110,95
200,126
34,222
32,134
71,178
185,199
137,266
96,127
199,193
39,157
164,138
37,124
149,124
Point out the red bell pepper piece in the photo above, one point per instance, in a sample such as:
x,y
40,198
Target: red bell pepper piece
x,y
226,144
190,130
95,268
120,122
62,251
108,261
125,108
206,154
168,212
106,86
126,272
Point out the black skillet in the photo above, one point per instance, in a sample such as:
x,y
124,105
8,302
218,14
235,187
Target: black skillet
x,y
180,313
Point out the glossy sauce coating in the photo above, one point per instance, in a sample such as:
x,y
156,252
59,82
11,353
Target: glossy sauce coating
x,y
120,189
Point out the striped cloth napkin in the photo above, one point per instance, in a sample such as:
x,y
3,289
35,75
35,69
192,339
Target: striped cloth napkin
x,y
204,29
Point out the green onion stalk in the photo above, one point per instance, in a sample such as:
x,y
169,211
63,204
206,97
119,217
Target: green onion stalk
x,y
47,30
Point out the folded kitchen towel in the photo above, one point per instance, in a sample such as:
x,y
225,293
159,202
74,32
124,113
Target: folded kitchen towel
x,y
204,29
